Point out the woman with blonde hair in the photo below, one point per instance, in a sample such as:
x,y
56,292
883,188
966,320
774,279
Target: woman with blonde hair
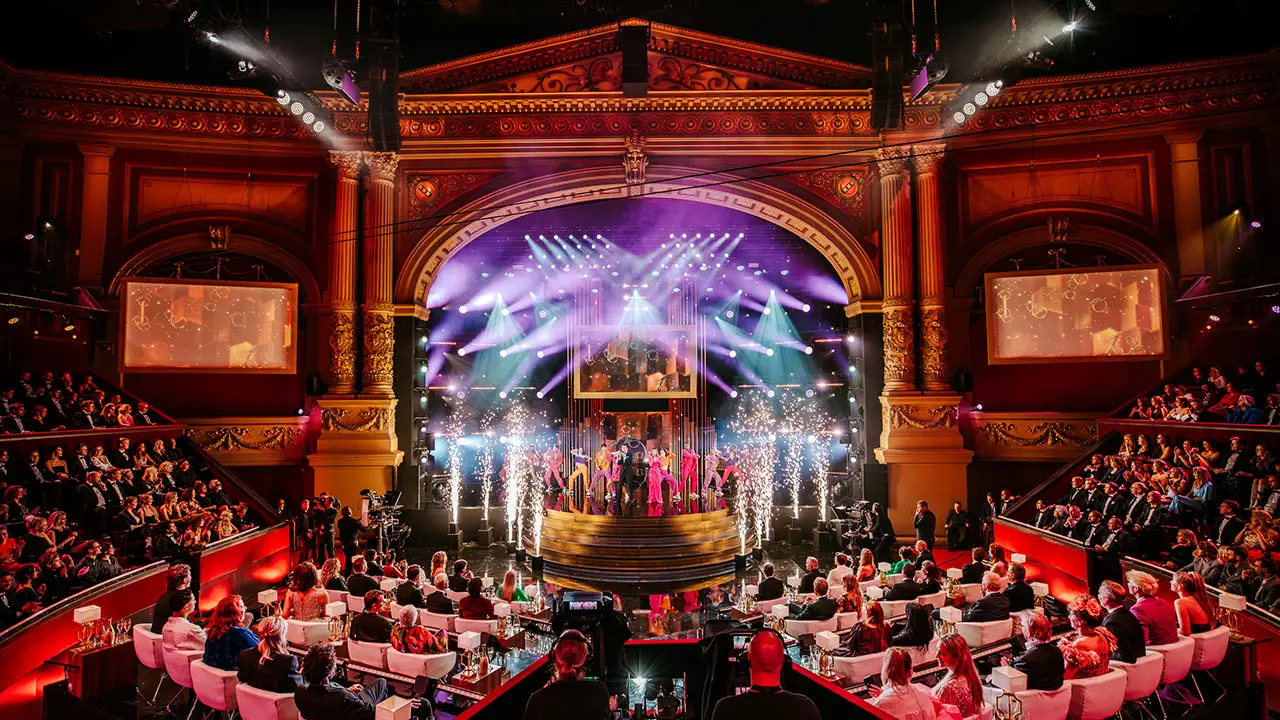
x,y
269,666
124,415
510,591
866,566
331,575
569,695
439,563
170,510
960,686
1258,534
147,508
901,698
225,527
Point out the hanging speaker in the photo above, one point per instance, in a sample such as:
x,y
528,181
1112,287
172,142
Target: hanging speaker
x,y
383,58
633,40
886,71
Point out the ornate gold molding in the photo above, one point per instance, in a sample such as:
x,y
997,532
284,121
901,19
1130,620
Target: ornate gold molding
x,y
919,417
933,351
1031,436
1046,434
382,165
369,420
379,346
259,441
342,347
899,347
225,439
347,162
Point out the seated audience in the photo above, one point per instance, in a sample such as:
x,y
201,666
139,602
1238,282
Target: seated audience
x,y
1130,636
917,628
1192,606
179,632
1089,655
510,591
973,572
811,575
226,635
932,578
372,625
835,578
322,699
475,606
177,579
1021,595
1042,660
409,592
869,636
305,600
851,600
993,605
438,602
359,583
820,607
409,636
960,686
899,697
867,569
461,577
269,666
907,588
1156,615
331,575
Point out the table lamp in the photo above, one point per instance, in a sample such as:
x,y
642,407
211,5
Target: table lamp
x,y
827,642
394,708
269,600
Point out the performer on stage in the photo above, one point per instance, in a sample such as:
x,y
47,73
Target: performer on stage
x,y
714,479
581,473
554,459
689,473
603,460
731,467
658,475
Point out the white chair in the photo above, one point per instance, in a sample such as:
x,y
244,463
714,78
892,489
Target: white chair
x,y
1098,697
214,688
1177,663
937,599
765,606
306,633
846,620
1142,677
437,621
894,609
485,627
178,665
857,669
355,603
1210,649
455,595
409,665
796,628
978,634
869,583
258,704
972,592
1045,704
149,647
895,578
369,654
926,654
336,595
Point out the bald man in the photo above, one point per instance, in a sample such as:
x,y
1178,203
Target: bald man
x,y
766,699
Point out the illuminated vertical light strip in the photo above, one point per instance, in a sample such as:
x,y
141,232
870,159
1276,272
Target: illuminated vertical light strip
x,y
516,468
486,463
455,459
822,452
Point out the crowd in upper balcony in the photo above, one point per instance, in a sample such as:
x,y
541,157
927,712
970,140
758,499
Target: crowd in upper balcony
x,y
44,402
1248,396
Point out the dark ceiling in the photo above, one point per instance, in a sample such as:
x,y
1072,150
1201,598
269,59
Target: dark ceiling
x,y
148,39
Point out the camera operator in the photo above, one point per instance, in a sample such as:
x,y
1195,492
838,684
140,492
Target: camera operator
x,y
766,699
568,695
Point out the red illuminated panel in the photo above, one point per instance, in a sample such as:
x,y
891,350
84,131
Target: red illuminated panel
x,y
201,326
1080,314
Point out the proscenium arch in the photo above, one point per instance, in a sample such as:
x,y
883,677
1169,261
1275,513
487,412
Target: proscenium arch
x,y
841,249
180,245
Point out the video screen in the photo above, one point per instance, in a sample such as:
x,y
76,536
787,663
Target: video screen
x,y
1097,314
203,326
652,361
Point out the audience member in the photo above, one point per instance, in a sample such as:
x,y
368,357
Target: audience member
x,y
269,666
226,635
1130,636
510,591
770,587
851,600
907,588
899,697
1089,655
1042,660
993,605
1192,606
835,578
410,636
176,579
322,699
766,699
179,632
359,583
305,600
409,592
373,625
1156,615
1021,595
438,602
475,606
820,607
461,576
917,627
868,636
812,573
960,686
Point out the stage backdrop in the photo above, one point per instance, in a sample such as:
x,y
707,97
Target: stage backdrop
x,y
1094,314
208,326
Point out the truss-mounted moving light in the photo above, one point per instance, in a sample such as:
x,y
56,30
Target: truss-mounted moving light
x,y
302,107
975,98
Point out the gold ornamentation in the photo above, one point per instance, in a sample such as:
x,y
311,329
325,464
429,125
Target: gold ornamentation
x,y
922,418
372,419
234,439
1058,229
634,161
669,73
926,158
1045,434
219,236
899,346
379,346
382,165
892,160
348,163
933,338
342,348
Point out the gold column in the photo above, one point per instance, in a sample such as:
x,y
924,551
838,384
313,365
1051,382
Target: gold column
x,y
343,247
379,258
93,211
895,242
1188,215
933,311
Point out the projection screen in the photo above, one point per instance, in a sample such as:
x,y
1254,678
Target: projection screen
x,y
208,326
1079,314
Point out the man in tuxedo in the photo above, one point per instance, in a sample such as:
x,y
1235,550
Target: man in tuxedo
x,y
119,457
957,524
925,523
142,414
322,699
770,588
973,571
461,576
1136,510
1130,640
1096,468
59,413
1092,495
1113,503
8,613
93,502
1021,596
1042,662
176,579
78,466
992,605
810,576
1075,495
907,588
85,418
359,582
371,625
1228,526
410,591
30,473
16,423
1043,516
115,492
1095,532
1264,587
1117,540
819,608
438,602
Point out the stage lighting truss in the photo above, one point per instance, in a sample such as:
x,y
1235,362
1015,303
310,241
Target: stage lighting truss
x,y
305,106
974,98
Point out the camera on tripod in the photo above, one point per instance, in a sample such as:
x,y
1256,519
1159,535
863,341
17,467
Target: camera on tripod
x,y
383,513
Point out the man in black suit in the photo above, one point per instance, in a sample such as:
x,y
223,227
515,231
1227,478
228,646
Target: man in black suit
x,y
59,412
142,415
119,457
1094,532
438,602
811,575
771,588
176,580
78,466
991,606
957,524
92,498
371,625
1130,641
30,474
1113,503
1020,594
820,608
1043,517
8,613
16,422
907,588
322,699
1136,510
1076,494
359,582
1042,662
1117,540
925,523
410,591
461,577
1228,526
85,418
973,571
1092,495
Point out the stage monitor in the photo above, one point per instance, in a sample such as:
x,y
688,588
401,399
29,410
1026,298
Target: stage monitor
x,y
206,326
1080,314
635,361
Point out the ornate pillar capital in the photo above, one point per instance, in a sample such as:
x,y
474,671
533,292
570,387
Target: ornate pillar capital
x,y
347,162
892,161
925,159
382,165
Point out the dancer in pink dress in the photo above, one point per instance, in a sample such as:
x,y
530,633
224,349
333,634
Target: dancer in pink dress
x,y
656,476
689,473
554,459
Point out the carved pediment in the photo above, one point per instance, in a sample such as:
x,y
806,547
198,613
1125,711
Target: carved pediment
x,y
678,59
